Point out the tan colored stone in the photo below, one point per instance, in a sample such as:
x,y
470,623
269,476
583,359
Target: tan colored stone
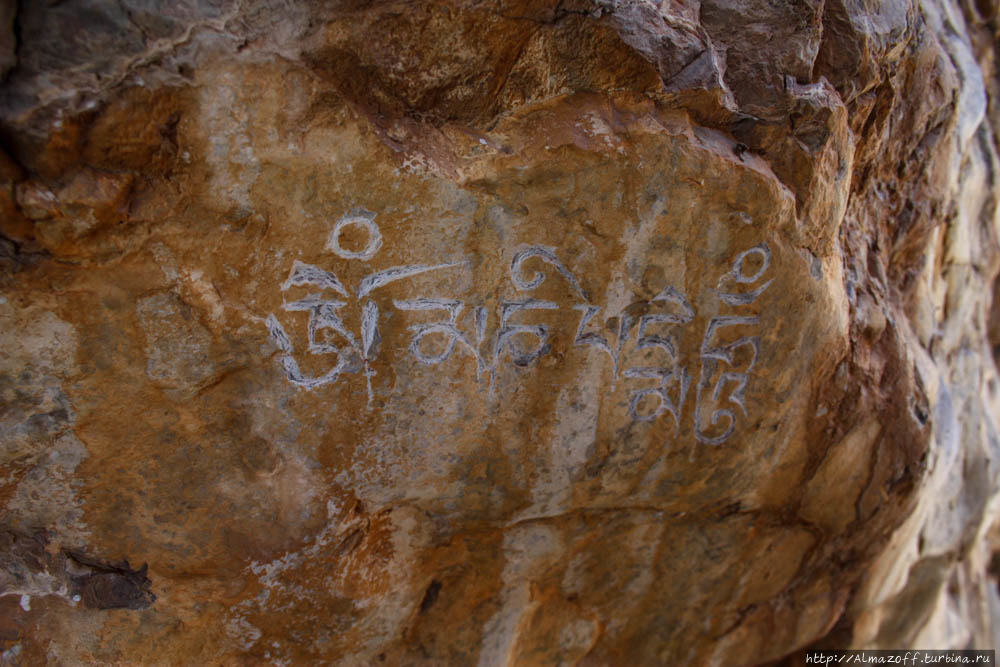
x,y
496,333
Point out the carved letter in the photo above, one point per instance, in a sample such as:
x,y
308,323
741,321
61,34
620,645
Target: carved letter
x,y
547,255
376,280
594,339
711,356
446,328
307,274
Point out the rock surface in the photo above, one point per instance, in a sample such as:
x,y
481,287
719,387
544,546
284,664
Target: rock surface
x,y
460,332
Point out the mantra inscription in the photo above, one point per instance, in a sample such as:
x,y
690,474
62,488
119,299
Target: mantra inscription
x,y
661,387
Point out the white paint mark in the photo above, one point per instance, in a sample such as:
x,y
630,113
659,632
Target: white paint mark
x,y
26,602
508,331
278,335
672,382
582,339
370,340
661,392
669,294
746,298
446,328
724,353
374,281
307,274
370,337
366,220
737,274
547,255
322,315
765,254
480,316
296,377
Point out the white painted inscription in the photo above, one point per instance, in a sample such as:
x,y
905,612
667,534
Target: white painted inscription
x,y
728,353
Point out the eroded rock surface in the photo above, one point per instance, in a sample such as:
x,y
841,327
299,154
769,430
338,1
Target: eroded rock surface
x,y
497,333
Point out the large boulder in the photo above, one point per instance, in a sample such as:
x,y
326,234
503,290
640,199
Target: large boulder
x,y
483,332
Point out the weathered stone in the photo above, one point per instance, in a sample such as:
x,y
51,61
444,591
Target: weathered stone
x,y
498,332
8,40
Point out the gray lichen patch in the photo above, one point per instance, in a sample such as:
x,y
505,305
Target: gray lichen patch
x,y
179,352
47,496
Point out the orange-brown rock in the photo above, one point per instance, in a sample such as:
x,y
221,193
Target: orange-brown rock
x,y
475,332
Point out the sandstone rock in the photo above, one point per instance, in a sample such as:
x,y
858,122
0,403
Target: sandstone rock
x,y
468,332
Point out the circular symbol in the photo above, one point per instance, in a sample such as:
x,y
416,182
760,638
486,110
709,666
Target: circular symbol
x,y
765,261
374,238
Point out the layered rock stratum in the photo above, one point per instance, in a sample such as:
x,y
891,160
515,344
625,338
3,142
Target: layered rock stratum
x,y
497,332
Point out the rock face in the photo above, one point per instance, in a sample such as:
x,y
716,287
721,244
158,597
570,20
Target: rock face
x,y
607,332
